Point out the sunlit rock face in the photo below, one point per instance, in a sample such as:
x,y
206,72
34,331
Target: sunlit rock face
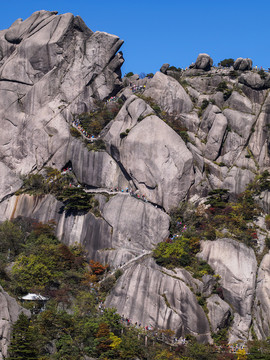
x,y
182,134
52,66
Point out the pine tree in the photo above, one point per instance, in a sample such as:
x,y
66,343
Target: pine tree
x,y
22,346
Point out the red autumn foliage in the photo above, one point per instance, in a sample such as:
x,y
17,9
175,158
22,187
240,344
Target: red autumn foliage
x,y
97,268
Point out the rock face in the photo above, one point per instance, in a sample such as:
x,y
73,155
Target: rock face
x,y
169,94
126,228
219,312
164,68
176,137
9,313
242,64
160,171
203,62
236,264
151,297
52,66
262,320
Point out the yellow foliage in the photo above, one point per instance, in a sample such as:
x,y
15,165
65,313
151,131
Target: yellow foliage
x,y
241,354
115,341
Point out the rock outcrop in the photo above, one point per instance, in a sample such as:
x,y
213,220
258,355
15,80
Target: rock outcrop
x,y
169,94
261,308
148,295
203,62
236,265
177,136
242,64
9,313
52,66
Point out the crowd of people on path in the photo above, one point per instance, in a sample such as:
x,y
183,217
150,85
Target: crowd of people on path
x,y
137,88
112,99
233,348
77,124
181,228
131,193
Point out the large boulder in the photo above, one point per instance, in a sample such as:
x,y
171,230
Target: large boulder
x,y
252,80
242,64
155,157
164,68
215,136
219,312
203,62
241,123
168,94
239,102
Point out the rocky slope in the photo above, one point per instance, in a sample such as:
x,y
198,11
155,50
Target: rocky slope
x,y
53,67
9,313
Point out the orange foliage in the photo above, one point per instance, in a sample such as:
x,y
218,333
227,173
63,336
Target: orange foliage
x,y
97,268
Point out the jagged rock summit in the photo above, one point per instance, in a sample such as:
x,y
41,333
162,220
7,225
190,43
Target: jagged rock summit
x,y
178,135
51,67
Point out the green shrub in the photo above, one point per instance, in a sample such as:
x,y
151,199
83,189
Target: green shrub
x,y
227,93
129,74
267,242
218,198
173,68
97,145
226,62
201,301
222,86
205,103
75,200
94,122
74,132
107,284
118,273
181,252
35,184
262,74
267,221
123,134
233,74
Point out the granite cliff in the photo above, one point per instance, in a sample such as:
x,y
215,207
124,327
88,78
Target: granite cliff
x,y
53,68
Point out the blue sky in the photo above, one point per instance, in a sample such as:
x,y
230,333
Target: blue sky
x,y
172,31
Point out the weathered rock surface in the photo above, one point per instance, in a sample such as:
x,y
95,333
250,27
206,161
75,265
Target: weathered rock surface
x,y
203,62
9,313
169,94
239,102
219,312
164,68
52,67
144,293
242,64
252,80
215,137
236,264
156,158
94,168
128,227
261,308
